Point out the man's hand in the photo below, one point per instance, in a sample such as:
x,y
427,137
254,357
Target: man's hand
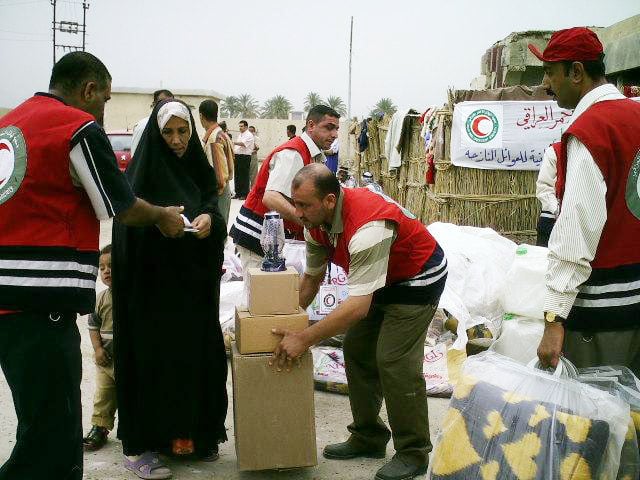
x,y
550,346
292,346
171,224
102,357
203,224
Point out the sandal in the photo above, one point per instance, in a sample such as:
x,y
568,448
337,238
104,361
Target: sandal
x,y
95,439
145,466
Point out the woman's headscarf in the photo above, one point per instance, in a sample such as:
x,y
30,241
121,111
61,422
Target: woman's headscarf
x,y
174,108
157,175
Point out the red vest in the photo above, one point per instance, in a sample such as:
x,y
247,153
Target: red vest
x,y
409,252
607,301
48,229
254,199
614,146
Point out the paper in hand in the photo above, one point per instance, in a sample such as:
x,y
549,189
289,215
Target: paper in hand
x,y
187,225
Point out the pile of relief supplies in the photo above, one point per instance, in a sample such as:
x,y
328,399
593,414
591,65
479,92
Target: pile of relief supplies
x,y
507,419
470,318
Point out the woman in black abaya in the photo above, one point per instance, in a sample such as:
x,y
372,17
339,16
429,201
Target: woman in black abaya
x,y
170,361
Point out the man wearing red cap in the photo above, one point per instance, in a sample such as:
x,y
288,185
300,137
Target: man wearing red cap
x,y
592,304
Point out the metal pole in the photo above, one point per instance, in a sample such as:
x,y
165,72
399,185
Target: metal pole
x,y
350,59
85,6
53,2
349,95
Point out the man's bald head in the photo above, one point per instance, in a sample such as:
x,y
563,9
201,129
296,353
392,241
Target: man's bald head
x,y
323,180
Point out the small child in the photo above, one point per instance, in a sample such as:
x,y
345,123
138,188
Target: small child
x,y
101,332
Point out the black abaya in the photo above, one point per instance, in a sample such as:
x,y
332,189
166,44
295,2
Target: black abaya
x,y
170,361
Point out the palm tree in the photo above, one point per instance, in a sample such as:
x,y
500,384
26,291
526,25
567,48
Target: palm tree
x,y
276,107
311,100
248,106
384,107
337,104
230,107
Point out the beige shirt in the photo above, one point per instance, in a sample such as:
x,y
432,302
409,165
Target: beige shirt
x,y
368,251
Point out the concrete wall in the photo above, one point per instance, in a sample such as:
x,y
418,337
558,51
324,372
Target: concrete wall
x,y
124,110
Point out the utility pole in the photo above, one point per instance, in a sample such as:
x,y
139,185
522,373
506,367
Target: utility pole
x,y
348,125
66,26
350,59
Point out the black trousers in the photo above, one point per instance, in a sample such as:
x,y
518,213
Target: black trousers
x,y
41,360
241,175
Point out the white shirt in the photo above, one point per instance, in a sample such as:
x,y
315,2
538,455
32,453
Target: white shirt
x,y
137,133
576,234
546,183
286,163
245,137
335,146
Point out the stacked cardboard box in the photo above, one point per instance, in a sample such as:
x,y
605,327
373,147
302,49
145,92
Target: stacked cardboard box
x,y
274,415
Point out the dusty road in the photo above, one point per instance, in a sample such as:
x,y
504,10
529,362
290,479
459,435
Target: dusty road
x,y
332,416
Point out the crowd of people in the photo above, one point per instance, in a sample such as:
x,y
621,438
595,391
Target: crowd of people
x,y
159,351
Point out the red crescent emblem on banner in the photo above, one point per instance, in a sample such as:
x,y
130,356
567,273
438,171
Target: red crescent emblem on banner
x,y
475,126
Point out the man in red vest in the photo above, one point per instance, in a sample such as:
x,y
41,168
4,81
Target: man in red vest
x,y
396,272
58,178
592,305
272,188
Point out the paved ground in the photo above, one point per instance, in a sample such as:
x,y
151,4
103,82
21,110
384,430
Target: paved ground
x,y
332,415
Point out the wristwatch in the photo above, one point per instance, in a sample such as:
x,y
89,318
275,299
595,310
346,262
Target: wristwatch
x,y
551,317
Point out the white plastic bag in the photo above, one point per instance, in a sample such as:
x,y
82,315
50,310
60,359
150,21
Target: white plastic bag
x,y
508,421
478,260
519,338
441,368
294,252
524,287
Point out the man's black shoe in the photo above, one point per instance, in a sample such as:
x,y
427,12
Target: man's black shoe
x,y
398,469
347,450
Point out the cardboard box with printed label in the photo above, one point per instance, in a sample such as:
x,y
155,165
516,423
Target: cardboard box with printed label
x,y
272,293
274,417
253,332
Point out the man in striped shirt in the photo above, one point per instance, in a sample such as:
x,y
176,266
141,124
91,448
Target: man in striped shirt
x,y
49,227
592,304
396,272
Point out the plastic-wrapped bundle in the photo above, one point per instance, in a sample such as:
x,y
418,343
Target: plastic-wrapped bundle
x,y
508,421
621,381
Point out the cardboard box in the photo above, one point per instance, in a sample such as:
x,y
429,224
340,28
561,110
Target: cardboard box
x,y
273,412
272,293
253,332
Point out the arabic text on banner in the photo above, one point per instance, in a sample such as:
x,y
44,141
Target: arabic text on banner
x,y
505,135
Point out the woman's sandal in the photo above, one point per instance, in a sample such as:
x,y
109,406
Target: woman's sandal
x,y
145,466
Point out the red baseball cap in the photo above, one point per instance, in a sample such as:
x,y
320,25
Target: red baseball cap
x,y
578,44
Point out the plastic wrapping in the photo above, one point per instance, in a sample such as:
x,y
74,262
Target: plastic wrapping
x,y
524,287
478,260
441,369
621,381
519,338
507,421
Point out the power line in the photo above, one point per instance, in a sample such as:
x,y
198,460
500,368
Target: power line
x,y
25,33
24,40
28,2
69,27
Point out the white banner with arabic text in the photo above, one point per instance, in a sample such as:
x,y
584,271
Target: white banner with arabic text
x,y
505,135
